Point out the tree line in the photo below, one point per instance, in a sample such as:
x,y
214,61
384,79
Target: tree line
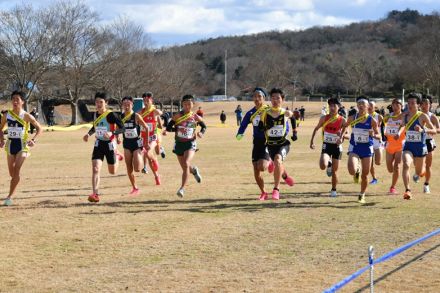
x,y
64,51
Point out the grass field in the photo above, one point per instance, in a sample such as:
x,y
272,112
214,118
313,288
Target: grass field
x,y
219,238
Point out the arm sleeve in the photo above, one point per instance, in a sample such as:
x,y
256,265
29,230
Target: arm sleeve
x,y
244,123
170,126
91,131
203,126
293,123
111,118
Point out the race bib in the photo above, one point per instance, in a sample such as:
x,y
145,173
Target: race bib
x,y
185,132
276,131
330,137
15,132
152,138
391,130
100,132
150,127
361,135
413,136
130,133
256,120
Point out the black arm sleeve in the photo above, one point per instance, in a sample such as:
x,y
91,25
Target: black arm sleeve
x,y
203,126
91,131
170,126
382,131
111,118
293,123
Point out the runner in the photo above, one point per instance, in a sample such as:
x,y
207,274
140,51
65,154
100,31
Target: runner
x,y
331,154
364,129
395,137
151,116
274,124
17,146
132,143
377,143
430,142
105,146
415,149
184,125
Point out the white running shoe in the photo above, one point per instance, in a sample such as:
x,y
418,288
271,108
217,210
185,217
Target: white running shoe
x,y
426,189
195,171
180,192
416,178
329,169
333,193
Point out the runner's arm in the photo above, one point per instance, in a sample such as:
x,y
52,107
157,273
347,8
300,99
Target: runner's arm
x,y
344,130
31,119
111,118
435,122
244,123
2,125
318,126
170,126
141,121
375,126
427,123
201,123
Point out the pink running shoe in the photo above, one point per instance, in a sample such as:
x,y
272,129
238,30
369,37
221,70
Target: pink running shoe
x,y
154,165
93,198
393,190
289,180
119,157
275,194
263,196
134,191
271,167
157,179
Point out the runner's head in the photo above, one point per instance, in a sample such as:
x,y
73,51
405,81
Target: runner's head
x,y
276,97
371,107
426,103
187,103
362,104
100,101
148,99
396,106
18,99
333,105
414,100
127,103
259,96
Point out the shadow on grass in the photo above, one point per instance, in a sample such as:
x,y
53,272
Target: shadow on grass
x,y
402,266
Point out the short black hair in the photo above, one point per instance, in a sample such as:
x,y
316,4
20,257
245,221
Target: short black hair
x,y
414,95
188,98
427,97
147,94
276,90
334,101
101,95
21,94
127,98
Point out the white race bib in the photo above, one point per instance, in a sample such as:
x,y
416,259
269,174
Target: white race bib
x,y
413,136
276,131
100,132
361,135
15,132
256,120
330,137
150,127
131,133
185,132
391,130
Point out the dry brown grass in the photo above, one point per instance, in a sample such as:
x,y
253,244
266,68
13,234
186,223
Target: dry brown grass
x,y
219,238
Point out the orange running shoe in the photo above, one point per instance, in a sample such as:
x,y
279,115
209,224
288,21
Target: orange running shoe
x,y
93,197
407,195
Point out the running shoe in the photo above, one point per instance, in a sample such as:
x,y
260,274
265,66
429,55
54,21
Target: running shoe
x,y
416,178
8,201
333,193
393,190
134,191
145,170
180,192
374,181
162,152
271,167
195,171
119,156
426,189
361,198
275,194
93,198
157,179
289,180
263,196
407,195
154,165
329,170
356,177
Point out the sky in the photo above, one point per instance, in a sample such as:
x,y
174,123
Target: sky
x,y
177,22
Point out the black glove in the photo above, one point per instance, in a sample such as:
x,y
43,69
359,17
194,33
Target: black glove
x,y
294,136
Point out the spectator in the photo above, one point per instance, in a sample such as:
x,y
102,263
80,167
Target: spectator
x,y
200,112
51,116
239,114
223,117
302,113
35,114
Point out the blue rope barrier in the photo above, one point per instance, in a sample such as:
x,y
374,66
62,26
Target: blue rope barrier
x,y
383,258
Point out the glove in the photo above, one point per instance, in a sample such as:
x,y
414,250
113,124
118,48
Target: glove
x,y
294,136
239,136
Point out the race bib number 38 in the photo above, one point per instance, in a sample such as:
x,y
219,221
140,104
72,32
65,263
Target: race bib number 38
x,y
15,132
413,136
276,131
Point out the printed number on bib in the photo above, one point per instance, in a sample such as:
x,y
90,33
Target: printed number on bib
x,y
276,131
152,138
330,138
390,130
256,120
100,132
15,132
361,135
413,136
131,133
185,132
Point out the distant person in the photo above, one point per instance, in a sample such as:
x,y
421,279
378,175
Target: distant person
x,y
343,112
35,114
239,114
353,111
51,116
200,112
223,117
323,111
302,111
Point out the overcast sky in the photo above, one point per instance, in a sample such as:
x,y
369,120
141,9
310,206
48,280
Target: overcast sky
x,y
170,22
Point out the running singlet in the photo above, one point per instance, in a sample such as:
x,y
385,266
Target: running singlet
x,y
131,130
149,117
105,123
17,133
413,136
186,127
361,132
392,128
275,128
331,129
